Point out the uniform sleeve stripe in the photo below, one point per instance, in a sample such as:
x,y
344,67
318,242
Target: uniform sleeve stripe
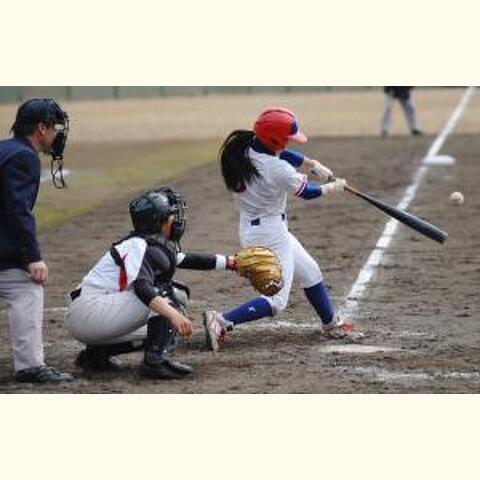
x,y
302,187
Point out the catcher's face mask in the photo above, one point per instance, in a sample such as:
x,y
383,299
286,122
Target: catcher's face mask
x,y
180,221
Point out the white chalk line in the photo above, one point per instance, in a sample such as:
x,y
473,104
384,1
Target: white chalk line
x,y
356,349
396,376
275,325
374,260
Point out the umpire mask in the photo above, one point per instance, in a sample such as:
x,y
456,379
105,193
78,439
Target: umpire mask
x,y
62,127
46,111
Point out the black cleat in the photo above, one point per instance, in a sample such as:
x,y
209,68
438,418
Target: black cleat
x,y
95,359
179,367
417,133
161,341
155,365
42,374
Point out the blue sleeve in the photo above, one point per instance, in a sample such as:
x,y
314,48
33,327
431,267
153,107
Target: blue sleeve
x,y
295,159
20,186
310,191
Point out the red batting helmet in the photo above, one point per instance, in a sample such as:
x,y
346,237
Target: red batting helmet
x,y
276,126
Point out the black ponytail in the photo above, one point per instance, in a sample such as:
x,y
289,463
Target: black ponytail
x,y
237,168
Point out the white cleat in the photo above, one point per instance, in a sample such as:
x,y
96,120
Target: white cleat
x,y
338,329
216,328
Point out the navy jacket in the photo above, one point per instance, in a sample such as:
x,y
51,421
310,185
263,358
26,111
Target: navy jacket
x,y
19,183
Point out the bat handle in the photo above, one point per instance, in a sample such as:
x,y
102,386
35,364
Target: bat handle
x,y
348,188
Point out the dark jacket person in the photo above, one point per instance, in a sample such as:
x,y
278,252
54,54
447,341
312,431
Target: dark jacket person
x,y
41,126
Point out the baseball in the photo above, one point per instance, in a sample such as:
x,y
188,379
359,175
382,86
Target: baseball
x,y
457,198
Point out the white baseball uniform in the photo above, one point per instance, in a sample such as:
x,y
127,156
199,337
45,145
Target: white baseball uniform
x,y
263,221
112,302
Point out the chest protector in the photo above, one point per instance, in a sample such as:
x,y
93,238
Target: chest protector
x,y
163,277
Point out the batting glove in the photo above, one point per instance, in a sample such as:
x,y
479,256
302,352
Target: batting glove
x,y
321,171
332,188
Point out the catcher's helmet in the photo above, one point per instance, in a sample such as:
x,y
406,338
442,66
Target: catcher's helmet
x,y
150,210
276,126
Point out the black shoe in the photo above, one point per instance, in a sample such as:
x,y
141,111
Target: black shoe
x,y
156,365
42,374
179,367
417,133
95,359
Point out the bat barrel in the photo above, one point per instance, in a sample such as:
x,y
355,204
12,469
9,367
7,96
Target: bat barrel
x,y
422,226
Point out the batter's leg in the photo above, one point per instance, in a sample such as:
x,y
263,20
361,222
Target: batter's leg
x,y
217,324
277,238
261,307
310,276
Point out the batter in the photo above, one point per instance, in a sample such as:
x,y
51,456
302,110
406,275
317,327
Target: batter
x,y
261,173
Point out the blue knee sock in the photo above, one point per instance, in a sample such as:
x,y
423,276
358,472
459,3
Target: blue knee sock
x,y
250,311
318,297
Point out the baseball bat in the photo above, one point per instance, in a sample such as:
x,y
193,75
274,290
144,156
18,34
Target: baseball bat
x,y
412,221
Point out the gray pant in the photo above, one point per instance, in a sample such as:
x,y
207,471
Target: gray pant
x,y
408,110
100,318
25,317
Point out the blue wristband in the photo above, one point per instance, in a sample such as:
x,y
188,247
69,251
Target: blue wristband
x,y
310,191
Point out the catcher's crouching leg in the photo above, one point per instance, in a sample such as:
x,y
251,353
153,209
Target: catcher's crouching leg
x,y
156,363
102,358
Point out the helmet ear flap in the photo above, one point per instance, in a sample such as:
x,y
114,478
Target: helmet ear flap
x,y
273,141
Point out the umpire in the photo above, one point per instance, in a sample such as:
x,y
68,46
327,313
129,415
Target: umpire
x,y
41,126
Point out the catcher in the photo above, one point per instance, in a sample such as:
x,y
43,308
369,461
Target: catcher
x,y
129,300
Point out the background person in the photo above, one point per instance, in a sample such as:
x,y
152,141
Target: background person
x,y
404,96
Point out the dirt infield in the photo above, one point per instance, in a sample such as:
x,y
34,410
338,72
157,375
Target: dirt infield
x,y
421,310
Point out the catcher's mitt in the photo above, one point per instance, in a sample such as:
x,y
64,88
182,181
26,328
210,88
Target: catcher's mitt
x,y
262,267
